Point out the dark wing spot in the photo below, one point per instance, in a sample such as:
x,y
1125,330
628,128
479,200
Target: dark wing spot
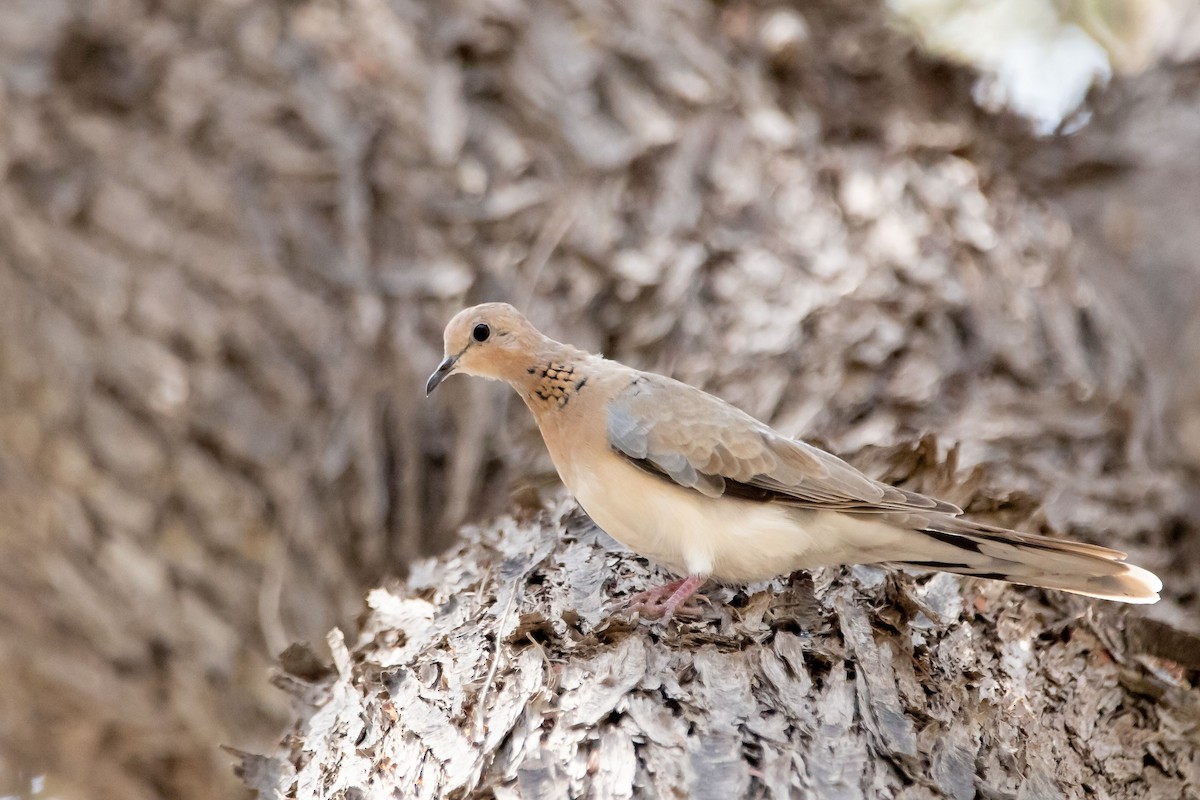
x,y
996,576
961,542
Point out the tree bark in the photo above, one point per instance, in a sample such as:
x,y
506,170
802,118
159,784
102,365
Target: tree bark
x,y
498,671
230,234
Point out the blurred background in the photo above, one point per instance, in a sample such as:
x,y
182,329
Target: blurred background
x,y
232,230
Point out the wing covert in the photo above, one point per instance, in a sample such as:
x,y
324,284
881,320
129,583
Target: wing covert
x,y
703,443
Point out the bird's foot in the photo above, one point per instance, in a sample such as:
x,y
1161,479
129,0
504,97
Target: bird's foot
x,y
673,599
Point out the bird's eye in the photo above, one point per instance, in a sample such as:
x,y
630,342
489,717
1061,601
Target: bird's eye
x,y
481,332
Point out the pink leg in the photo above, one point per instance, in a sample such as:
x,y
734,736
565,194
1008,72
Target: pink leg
x,y
654,595
651,603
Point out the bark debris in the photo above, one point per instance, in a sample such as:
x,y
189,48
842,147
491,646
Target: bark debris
x,y
497,670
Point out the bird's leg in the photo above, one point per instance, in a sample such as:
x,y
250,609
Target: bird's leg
x,y
681,598
653,596
677,594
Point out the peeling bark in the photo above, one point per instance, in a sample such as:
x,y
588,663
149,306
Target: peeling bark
x,y
497,671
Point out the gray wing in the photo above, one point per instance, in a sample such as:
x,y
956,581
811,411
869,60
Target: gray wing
x,y
703,443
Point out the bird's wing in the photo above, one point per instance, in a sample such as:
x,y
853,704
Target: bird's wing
x,y
703,443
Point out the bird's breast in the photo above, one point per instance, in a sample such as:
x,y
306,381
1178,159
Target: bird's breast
x,y
727,538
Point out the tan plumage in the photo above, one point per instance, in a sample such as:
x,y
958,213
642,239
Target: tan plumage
x,y
683,477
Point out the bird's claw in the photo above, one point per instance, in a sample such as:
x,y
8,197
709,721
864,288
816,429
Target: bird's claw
x,y
675,599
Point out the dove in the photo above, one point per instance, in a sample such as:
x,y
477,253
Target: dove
x,y
688,480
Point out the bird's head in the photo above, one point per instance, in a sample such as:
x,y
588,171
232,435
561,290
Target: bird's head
x,y
492,340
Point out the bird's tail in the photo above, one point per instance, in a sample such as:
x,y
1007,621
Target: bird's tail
x,y
968,548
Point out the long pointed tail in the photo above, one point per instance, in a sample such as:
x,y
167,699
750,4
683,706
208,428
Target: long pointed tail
x,y
968,548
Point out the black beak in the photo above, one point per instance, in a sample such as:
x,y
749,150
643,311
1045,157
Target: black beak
x,y
440,374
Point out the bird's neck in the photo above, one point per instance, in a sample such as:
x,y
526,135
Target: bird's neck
x,y
553,377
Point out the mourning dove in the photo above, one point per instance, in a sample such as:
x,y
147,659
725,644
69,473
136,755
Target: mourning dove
x,y
686,479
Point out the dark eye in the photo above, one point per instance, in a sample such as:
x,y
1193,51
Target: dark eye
x,y
481,332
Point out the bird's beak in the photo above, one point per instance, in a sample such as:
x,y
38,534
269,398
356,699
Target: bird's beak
x,y
440,374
